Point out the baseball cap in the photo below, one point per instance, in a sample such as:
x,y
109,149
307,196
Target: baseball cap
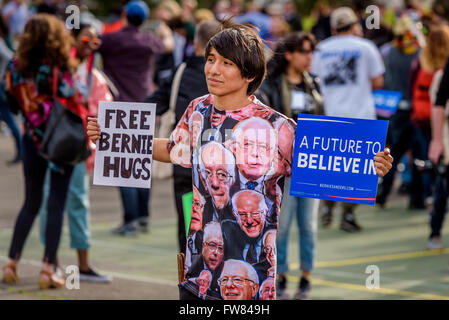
x,y
343,17
138,9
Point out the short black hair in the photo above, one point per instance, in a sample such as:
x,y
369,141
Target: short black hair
x,y
135,20
242,45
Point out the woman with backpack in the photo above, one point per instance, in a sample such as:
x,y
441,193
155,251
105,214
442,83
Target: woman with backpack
x,y
42,71
292,90
92,88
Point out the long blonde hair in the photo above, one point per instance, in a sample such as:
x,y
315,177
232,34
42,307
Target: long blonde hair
x,y
434,55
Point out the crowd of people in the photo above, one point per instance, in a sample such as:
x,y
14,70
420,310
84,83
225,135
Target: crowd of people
x,y
331,69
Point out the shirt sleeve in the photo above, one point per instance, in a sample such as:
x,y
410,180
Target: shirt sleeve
x,y
443,90
179,141
375,63
156,44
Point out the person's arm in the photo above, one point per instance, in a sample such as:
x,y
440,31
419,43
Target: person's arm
x,y
377,82
436,147
160,152
165,33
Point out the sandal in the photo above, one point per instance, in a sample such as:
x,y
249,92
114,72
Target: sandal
x,y
49,280
10,274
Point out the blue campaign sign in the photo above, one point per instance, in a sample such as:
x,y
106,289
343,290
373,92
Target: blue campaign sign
x,y
334,158
386,102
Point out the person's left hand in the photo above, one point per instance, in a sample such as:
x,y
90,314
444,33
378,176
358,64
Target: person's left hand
x,y
383,162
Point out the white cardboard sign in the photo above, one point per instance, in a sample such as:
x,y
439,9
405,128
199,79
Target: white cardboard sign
x,y
124,152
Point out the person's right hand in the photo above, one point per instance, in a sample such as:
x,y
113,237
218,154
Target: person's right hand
x,y
93,129
436,149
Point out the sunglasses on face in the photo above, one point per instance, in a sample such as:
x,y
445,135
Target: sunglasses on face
x,y
94,43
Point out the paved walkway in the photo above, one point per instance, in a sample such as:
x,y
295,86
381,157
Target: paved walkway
x,y
393,240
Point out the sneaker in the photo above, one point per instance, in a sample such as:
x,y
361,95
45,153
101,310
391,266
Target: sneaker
x,y
326,217
349,224
435,244
126,230
303,291
92,276
281,288
142,225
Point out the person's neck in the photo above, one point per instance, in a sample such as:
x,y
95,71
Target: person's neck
x,y
293,75
232,101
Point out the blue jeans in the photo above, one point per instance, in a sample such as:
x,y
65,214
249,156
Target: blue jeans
x,y
306,211
7,116
77,207
135,203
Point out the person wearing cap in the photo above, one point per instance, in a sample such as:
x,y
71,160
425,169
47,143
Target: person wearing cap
x,y
349,68
128,61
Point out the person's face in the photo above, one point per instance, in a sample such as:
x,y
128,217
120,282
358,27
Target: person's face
x,y
301,61
251,215
196,128
203,282
254,151
223,77
197,211
270,248
217,118
86,42
213,251
268,291
235,285
217,176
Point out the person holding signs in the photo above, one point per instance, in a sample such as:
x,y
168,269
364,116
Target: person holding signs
x,y
292,90
235,67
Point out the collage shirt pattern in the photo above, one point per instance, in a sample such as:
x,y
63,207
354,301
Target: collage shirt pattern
x,y
239,159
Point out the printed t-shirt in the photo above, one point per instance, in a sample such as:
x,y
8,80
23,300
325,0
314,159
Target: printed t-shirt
x,y
239,160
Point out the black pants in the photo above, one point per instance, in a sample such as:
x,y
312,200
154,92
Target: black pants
x,y
399,137
181,185
439,204
34,169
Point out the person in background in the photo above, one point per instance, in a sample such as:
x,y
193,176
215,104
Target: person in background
x,y
292,90
92,88
6,115
168,12
431,59
322,28
398,65
256,17
438,150
349,68
15,13
133,80
291,16
45,39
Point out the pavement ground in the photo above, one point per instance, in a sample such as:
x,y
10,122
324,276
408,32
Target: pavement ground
x,y
393,239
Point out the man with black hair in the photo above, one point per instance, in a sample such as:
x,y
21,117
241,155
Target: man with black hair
x,y
235,67
128,61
